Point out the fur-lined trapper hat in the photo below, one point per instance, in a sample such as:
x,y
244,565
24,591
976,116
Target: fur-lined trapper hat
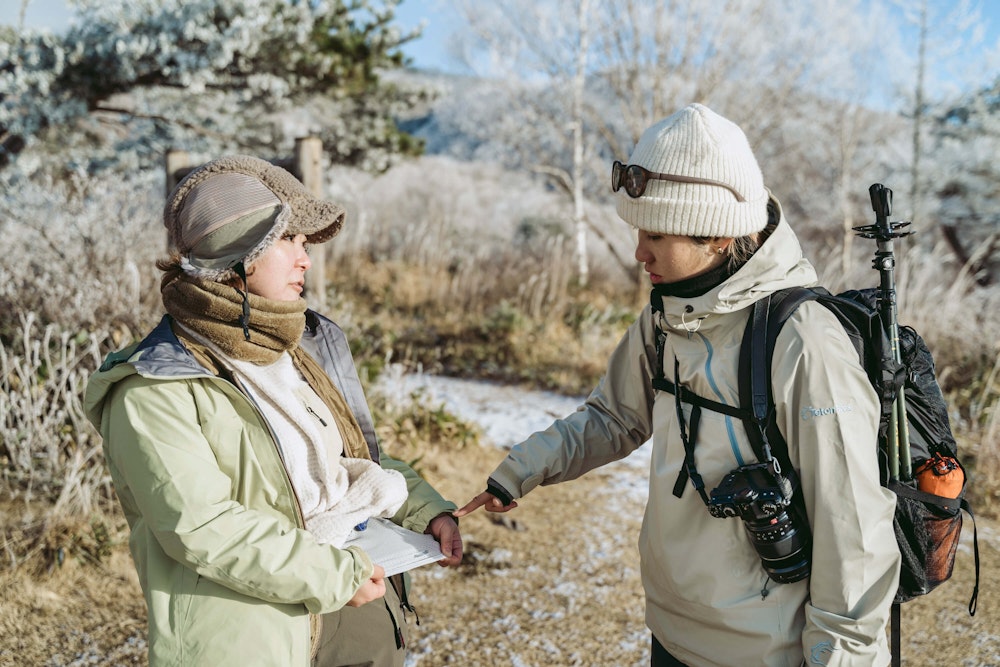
x,y
232,209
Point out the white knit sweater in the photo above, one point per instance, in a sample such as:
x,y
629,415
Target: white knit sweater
x,y
334,493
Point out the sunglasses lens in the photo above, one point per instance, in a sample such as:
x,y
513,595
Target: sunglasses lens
x,y
634,180
616,175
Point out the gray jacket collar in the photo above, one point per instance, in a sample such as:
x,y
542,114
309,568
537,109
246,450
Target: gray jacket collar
x,y
162,355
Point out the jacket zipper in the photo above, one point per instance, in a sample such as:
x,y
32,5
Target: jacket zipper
x,y
315,414
299,518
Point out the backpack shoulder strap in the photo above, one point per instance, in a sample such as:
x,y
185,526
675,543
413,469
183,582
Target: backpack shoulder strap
x,y
767,317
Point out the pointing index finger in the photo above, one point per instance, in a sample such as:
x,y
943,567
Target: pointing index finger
x,y
473,504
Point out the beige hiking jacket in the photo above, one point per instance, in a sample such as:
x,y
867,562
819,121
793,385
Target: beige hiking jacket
x,y
708,599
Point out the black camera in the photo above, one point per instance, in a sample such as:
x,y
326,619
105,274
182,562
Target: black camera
x,y
761,496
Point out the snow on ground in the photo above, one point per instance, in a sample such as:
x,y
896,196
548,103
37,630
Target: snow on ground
x,y
580,589
509,414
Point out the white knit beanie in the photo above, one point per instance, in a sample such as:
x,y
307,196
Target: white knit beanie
x,y
697,143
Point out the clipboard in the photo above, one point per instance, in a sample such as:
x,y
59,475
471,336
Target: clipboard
x,y
395,548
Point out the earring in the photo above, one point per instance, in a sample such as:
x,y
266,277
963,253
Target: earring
x,y
719,250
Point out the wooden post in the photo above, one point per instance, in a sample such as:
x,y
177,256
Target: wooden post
x,y
309,169
176,163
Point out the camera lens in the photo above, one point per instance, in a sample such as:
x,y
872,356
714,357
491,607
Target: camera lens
x,y
783,549
762,497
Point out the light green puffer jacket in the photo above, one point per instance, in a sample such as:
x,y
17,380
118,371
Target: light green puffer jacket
x,y
229,574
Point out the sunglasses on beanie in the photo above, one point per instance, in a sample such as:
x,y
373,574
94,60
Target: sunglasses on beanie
x,y
634,178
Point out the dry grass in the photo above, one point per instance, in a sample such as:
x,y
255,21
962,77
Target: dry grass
x,y
75,615
435,289
461,280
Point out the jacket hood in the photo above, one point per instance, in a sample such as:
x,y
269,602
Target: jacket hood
x,y
779,263
160,354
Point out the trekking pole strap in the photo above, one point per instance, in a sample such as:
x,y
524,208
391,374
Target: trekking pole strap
x,y
907,491
974,601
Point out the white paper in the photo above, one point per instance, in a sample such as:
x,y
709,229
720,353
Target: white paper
x,y
395,548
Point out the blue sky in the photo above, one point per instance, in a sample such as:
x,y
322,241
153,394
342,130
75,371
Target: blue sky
x,y
428,52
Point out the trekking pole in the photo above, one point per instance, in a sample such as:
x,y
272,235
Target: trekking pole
x,y
884,232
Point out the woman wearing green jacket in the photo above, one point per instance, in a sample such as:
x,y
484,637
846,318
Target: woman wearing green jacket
x,y
242,449
714,241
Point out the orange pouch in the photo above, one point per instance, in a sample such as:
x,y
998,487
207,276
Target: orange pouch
x,y
942,476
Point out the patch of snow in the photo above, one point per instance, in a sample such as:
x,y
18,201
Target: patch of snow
x,y
509,414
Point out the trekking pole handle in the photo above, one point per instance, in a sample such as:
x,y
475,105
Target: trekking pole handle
x,y
881,197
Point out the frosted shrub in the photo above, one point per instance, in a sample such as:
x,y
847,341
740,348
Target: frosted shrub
x,y
79,254
48,448
76,280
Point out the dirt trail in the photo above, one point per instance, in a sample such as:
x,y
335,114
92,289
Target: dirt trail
x,y
552,583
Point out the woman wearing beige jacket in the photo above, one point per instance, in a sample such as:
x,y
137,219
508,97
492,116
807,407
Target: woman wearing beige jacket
x,y
242,449
713,241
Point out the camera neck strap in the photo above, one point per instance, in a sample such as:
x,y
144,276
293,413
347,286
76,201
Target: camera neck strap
x,y
755,409
689,429
688,470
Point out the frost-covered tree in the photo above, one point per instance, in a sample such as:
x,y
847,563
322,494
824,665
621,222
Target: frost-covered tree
x,y
234,74
966,180
797,75
945,36
549,42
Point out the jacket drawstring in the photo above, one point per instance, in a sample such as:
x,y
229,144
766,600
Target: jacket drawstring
x,y
241,271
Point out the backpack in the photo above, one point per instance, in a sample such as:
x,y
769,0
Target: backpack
x,y
928,517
